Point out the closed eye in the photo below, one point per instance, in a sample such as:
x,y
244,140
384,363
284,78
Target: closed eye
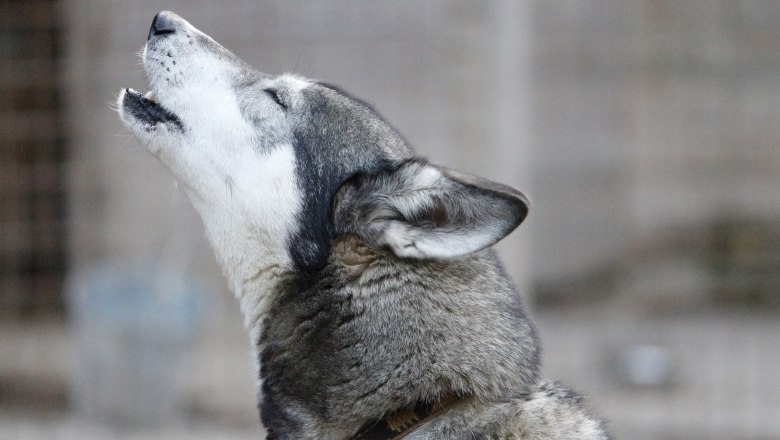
x,y
274,94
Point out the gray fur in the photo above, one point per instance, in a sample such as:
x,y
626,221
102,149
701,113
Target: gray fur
x,y
365,274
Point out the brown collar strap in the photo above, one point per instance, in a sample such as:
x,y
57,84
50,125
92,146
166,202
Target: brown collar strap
x,y
403,421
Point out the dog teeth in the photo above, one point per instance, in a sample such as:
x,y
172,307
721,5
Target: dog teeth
x,y
150,96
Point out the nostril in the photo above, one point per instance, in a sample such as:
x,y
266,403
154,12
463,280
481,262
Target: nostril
x,y
161,25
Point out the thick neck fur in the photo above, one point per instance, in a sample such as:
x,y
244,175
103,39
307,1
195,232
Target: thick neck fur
x,y
371,333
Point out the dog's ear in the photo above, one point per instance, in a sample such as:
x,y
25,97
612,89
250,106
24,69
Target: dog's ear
x,y
423,211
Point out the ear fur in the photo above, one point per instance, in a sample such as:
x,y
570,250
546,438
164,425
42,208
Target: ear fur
x,y
427,212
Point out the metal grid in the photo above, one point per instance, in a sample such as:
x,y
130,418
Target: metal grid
x,y
31,159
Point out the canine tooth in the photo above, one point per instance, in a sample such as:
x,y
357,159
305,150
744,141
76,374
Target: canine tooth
x,y
150,96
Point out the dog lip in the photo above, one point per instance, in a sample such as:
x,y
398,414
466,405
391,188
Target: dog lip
x,y
147,110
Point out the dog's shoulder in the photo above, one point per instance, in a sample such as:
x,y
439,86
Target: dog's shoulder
x,y
551,412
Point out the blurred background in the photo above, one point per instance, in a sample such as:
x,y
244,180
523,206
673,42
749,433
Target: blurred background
x,y
644,131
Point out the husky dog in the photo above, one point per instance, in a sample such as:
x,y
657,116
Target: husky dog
x,y
374,302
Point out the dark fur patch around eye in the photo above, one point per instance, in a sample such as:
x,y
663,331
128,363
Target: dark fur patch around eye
x,y
274,94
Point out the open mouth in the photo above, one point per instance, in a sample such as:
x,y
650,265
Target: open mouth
x,y
147,110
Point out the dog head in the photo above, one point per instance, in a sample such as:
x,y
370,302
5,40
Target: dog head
x,y
280,164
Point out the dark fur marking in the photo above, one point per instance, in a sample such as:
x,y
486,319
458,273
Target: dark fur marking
x,y
350,345
347,318
274,94
311,246
330,148
278,423
312,314
372,391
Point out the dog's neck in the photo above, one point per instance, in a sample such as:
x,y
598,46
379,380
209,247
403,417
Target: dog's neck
x,y
253,261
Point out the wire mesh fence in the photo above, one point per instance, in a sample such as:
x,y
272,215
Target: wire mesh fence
x,y
32,188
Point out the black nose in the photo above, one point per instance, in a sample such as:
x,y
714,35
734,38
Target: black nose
x,y
161,25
